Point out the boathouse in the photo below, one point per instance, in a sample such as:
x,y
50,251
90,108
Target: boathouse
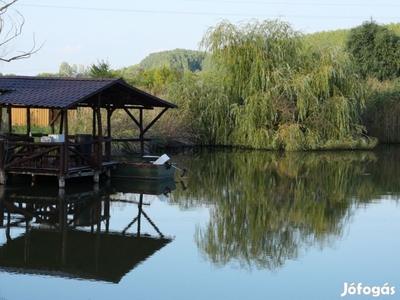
x,y
61,154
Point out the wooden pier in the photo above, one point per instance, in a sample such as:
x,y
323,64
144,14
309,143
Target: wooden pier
x,y
64,155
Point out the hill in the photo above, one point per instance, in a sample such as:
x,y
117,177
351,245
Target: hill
x,y
181,59
337,38
191,60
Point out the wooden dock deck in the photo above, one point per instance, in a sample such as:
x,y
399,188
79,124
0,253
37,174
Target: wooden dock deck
x,y
61,159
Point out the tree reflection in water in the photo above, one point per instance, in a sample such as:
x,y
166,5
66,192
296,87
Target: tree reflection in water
x,y
268,207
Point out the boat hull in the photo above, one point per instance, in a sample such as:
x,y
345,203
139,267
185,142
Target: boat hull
x,y
143,171
147,187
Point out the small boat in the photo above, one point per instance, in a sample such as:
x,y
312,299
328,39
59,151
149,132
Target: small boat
x,y
150,168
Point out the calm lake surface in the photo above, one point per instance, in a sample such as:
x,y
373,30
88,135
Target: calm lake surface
x,y
239,225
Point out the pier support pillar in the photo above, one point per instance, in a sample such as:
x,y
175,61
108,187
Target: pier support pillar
x,y
61,182
3,177
96,176
34,179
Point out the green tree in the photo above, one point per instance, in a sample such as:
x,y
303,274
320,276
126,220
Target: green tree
x,y
101,70
206,110
375,50
66,70
155,80
283,94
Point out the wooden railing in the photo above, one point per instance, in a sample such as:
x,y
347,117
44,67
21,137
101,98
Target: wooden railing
x,y
50,157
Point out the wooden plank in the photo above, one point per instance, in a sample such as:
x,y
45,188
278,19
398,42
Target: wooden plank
x,y
38,154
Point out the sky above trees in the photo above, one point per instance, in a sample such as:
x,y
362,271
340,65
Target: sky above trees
x,y
124,32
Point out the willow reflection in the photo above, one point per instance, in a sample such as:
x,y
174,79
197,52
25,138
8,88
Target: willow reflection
x,y
269,206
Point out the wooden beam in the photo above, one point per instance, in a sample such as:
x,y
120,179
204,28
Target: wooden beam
x,y
51,122
37,154
66,143
61,122
155,120
28,121
109,132
141,135
94,120
132,117
9,118
100,135
54,118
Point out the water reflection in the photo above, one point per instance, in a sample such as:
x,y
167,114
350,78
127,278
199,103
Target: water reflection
x,y
66,232
270,207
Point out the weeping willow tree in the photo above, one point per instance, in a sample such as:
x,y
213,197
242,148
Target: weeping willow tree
x,y
282,94
208,111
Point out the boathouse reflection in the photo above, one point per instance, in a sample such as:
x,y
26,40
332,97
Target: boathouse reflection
x,y
66,233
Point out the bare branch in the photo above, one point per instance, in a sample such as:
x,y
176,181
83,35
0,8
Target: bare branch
x,y
16,25
4,8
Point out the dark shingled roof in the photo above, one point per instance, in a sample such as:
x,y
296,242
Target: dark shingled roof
x,y
52,92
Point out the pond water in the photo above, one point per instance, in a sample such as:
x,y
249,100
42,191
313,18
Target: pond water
x,y
239,225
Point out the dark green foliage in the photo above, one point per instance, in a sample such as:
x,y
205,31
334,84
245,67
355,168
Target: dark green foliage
x,y
101,70
180,59
375,50
153,81
382,113
207,111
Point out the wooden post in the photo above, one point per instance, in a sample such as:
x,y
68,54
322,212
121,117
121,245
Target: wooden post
x,y
28,121
99,152
64,157
108,143
66,143
51,118
61,174
94,120
61,122
2,198
141,135
2,162
9,118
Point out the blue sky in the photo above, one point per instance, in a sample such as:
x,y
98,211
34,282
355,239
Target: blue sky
x,y
123,32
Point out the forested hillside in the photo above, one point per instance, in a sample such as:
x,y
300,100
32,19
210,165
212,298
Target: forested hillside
x,y
192,60
180,59
334,38
337,38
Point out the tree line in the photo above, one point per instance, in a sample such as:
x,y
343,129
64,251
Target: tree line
x,y
265,85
